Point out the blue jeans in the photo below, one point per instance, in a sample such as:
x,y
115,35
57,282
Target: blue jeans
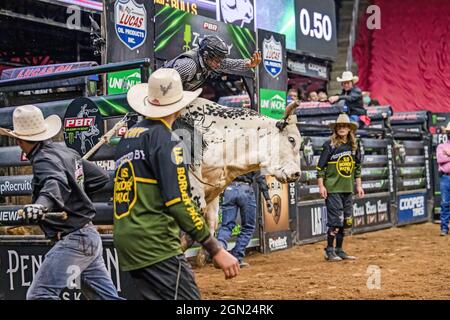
x,y
238,196
445,202
77,256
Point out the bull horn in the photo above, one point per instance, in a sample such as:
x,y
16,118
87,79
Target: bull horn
x,y
290,109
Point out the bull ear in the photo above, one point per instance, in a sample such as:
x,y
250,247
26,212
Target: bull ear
x,y
290,109
281,124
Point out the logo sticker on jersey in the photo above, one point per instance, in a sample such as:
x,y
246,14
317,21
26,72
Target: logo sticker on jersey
x,y
345,165
272,56
130,21
177,155
125,193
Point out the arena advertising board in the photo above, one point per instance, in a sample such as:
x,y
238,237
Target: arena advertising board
x,y
277,235
82,125
129,29
272,74
122,81
21,261
412,207
238,12
179,31
307,67
315,27
371,212
272,103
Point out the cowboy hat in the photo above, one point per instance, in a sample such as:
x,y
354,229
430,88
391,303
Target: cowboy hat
x,y
348,76
29,124
343,119
163,95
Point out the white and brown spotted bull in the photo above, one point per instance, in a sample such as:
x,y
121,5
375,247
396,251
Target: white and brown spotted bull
x,y
239,141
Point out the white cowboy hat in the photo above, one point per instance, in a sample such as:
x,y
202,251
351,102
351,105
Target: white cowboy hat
x,y
348,76
29,124
343,119
162,96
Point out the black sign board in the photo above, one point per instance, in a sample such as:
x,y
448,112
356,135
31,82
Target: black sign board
x,y
21,261
272,70
83,125
315,28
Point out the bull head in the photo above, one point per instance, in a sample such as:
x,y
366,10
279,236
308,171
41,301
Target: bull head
x,y
281,124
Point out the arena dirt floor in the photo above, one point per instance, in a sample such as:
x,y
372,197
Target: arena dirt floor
x,y
414,263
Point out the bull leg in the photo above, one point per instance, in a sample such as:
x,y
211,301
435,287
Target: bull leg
x,y
212,213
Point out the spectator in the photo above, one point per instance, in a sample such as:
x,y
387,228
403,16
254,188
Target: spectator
x,y
351,96
292,95
313,97
322,96
338,167
239,195
366,98
443,160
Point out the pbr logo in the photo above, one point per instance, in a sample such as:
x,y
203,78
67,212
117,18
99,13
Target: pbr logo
x,y
272,57
83,125
130,20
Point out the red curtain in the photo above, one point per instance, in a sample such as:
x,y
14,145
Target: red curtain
x,y
406,63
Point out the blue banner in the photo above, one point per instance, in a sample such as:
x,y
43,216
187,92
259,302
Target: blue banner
x,y
411,208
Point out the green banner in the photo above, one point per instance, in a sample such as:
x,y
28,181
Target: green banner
x,y
272,103
121,81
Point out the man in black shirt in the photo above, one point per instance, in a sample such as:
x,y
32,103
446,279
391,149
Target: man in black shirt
x,y
351,96
61,181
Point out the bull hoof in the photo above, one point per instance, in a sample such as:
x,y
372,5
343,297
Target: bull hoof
x,y
201,258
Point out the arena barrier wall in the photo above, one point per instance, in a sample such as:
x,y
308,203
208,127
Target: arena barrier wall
x,y
412,148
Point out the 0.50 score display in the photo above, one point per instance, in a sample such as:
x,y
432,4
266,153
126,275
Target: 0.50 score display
x,y
320,28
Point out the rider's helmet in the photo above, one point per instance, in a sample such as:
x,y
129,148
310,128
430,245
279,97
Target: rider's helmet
x,y
213,48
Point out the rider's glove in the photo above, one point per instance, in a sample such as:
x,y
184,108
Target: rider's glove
x,y
33,213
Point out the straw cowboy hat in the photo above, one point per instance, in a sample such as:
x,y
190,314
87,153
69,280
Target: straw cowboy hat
x,y
163,95
343,119
29,124
348,76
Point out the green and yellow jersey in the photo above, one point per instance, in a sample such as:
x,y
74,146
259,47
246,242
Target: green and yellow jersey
x,y
339,166
152,199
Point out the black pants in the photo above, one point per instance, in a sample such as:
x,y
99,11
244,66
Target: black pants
x,y
170,279
339,206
